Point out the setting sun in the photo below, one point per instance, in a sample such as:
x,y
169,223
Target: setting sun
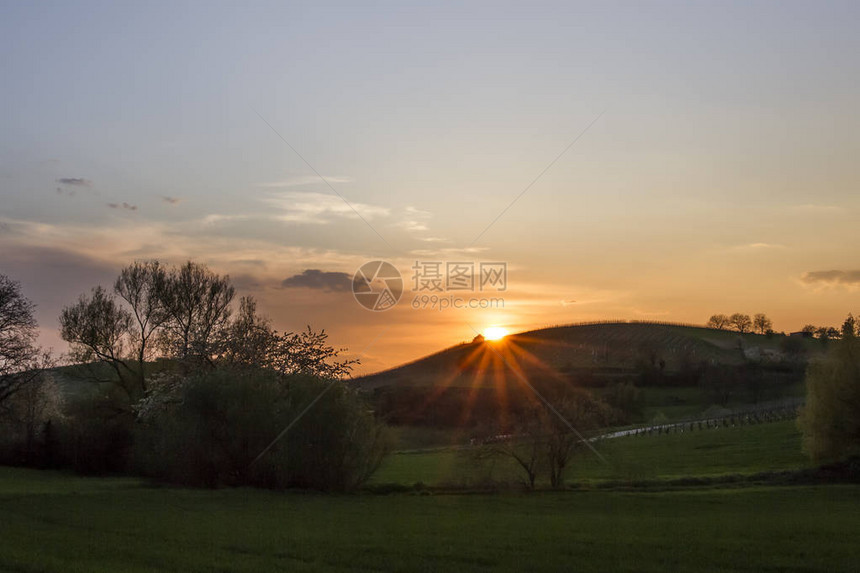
x,y
495,333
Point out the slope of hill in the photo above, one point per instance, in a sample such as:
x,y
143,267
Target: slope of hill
x,y
594,349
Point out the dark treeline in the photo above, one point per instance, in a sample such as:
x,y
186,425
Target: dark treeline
x,y
174,379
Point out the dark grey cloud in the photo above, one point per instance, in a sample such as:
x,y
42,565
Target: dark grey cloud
x,y
53,278
246,282
832,277
122,206
79,181
171,200
328,281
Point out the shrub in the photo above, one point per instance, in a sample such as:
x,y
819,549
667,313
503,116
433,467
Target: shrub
x,y
96,436
830,420
221,421
28,421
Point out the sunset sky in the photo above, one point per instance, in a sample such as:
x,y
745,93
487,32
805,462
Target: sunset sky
x,y
713,167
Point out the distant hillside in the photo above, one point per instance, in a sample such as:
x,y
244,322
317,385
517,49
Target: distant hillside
x,y
592,349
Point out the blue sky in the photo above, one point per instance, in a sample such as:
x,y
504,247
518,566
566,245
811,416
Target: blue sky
x,y
722,170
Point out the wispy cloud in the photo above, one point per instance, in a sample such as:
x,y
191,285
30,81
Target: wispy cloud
x,y
414,220
448,252
813,208
78,181
320,208
832,278
122,205
119,242
214,218
757,247
301,180
327,281
171,200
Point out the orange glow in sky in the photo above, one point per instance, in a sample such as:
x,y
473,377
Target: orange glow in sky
x,y
495,332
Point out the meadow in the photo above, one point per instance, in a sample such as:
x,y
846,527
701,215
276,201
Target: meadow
x,y
55,522
749,449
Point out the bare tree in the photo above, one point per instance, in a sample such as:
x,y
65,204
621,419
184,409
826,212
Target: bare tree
x,y
741,322
718,321
525,444
21,361
581,411
762,323
141,285
97,329
197,303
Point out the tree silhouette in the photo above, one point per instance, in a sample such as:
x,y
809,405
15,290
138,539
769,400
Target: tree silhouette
x,y
21,361
741,322
762,323
719,321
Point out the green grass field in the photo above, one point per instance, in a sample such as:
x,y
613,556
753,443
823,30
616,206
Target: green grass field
x,y
53,522
740,450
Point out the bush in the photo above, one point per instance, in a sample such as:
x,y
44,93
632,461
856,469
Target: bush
x,y
627,400
221,421
96,436
830,420
28,421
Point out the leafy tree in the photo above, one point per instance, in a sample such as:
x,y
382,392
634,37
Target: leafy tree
x,y
21,361
808,329
627,400
826,333
719,321
850,327
28,418
830,420
762,323
720,383
249,339
794,349
308,352
741,322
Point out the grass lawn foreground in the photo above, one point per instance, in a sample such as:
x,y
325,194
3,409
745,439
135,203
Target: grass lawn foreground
x,y
56,522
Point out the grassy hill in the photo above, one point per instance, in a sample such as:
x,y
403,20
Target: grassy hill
x,y
602,350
